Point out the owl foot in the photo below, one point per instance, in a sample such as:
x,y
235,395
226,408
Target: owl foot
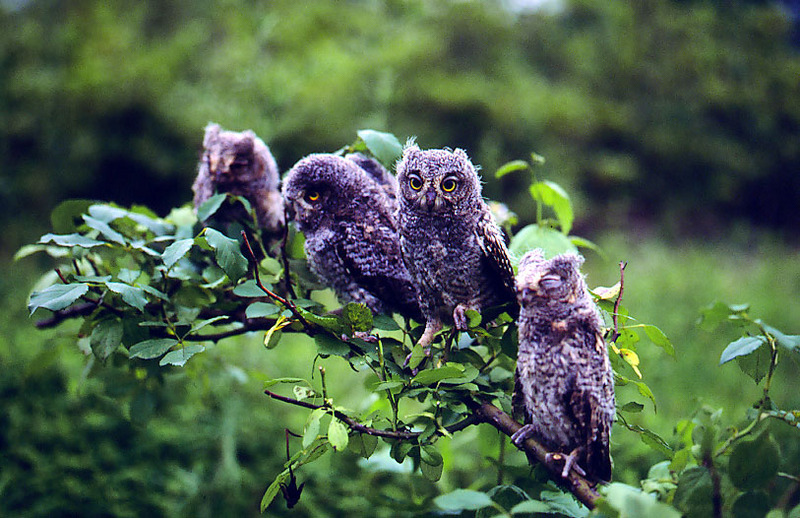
x,y
460,317
520,435
431,328
362,335
569,462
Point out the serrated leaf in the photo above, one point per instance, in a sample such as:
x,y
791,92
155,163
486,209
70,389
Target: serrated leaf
x,y
71,240
337,434
384,146
463,500
326,344
176,251
131,295
554,196
741,347
57,296
227,254
261,309
152,348
105,338
534,236
179,357
209,207
435,375
510,167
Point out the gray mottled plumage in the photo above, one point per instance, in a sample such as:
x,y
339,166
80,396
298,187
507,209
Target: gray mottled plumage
x,y
564,383
451,245
376,170
352,243
240,164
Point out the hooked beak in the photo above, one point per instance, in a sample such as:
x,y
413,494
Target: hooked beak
x,y
429,201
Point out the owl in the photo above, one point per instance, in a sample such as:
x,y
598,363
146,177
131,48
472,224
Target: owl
x,y
564,385
451,245
352,243
240,164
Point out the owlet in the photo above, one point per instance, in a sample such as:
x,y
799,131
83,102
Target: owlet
x,y
564,383
352,243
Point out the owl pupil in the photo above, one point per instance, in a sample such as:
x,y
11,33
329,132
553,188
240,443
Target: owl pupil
x,y
415,182
449,185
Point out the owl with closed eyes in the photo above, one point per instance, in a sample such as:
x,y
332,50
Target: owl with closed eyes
x,y
352,243
241,164
451,245
564,384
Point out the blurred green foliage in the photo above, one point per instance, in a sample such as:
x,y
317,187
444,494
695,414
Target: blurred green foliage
x,y
685,113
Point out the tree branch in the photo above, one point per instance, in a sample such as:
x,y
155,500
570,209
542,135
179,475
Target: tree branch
x,y
358,427
615,315
574,483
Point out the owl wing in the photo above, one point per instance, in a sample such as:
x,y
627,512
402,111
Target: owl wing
x,y
490,238
588,405
375,263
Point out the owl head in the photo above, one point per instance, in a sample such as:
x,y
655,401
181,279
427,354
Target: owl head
x,y
557,279
321,188
437,180
237,158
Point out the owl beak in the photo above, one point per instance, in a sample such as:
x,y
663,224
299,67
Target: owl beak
x,y
430,200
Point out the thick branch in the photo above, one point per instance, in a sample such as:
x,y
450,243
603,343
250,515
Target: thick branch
x,y
576,484
358,427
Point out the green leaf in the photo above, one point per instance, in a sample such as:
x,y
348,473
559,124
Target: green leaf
x,y
631,502
435,375
752,503
553,195
227,254
363,444
311,430
432,472
530,507
693,494
510,167
357,316
385,323
417,356
563,503
463,500
57,296
658,337
179,357
261,309
152,348
132,295
741,347
105,338
327,344
68,215
337,434
717,313
387,385
789,342
754,464
104,229
210,206
176,251
756,364
272,490
248,289
271,382
632,407
473,317
203,323
384,146
534,236
71,240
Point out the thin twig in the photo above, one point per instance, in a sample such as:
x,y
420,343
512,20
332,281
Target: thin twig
x,y
286,303
614,316
358,427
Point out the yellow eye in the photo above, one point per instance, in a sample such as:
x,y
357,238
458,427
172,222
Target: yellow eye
x,y
415,182
312,195
449,185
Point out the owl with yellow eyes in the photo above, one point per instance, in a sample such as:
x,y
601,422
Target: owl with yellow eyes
x,y
347,215
452,246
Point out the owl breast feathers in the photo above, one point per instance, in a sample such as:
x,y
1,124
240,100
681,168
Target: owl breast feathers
x,y
240,164
352,243
451,245
564,383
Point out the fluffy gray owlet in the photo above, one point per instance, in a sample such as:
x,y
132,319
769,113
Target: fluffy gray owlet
x,y
564,383
374,168
240,164
451,244
352,243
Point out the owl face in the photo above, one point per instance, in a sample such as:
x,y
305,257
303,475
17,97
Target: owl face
x,y
320,187
557,279
437,180
231,157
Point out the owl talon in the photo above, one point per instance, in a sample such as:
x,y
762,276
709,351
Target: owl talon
x,y
570,463
522,434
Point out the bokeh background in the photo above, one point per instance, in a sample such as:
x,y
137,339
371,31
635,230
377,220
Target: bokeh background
x,y
673,124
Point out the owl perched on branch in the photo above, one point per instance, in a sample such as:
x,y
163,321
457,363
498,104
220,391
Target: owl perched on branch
x,y
352,243
240,164
564,383
451,245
